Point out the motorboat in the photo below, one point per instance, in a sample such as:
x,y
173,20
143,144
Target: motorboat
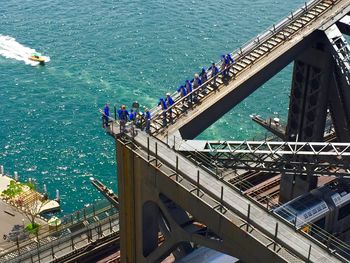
x,y
38,58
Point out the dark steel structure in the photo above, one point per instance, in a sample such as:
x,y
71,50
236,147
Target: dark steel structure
x,y
173,194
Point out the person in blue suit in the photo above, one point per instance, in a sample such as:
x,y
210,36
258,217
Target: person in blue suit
x,y
223,66
188,86
123,115
214,72
148,120
183,92
169,103
164,107
229,62
196,83
106,115
204,78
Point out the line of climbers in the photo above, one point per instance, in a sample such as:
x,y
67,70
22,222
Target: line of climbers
x,y
141,120
192,87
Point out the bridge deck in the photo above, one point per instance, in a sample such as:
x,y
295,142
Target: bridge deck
x,y
250,62
263,222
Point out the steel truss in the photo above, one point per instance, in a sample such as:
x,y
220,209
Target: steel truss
x,y
341,52
304,158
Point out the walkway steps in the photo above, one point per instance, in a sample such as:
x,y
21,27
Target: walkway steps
x,y
260,53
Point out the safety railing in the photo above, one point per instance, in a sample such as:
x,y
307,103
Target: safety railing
x,y
68,223
56,250
260,38
154,154
239,55
329,241
206,163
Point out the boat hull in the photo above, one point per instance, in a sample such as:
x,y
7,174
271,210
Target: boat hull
x,y
38,59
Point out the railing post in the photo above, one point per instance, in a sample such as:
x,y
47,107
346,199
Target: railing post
x,y
148,151
275,238
39,256
72,242
156,152
17,243
197,182
221,198
84,211
115,113
309,254
267,203
328,241
248,217
89,235
93,209
52,252
37,239
99,230
177,168
240,186
110,224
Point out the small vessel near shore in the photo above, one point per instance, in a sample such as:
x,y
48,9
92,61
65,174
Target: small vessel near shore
x,y
38,58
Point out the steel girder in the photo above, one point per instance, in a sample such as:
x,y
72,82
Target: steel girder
x,y
304,158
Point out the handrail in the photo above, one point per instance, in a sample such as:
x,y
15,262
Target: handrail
x,y
241,52
67,221
206,162
180,176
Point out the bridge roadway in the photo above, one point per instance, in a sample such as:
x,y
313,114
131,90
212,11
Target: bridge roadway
x,y
254,64
293,246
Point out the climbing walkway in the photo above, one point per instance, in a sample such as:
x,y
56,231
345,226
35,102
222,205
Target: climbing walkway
x,y
249,59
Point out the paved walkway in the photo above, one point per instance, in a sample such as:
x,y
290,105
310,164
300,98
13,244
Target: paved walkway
x,y
4,182
10,216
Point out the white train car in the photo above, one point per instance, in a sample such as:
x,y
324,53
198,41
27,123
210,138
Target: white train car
x,y
327,207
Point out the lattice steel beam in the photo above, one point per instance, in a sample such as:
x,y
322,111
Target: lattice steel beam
x,y
305,158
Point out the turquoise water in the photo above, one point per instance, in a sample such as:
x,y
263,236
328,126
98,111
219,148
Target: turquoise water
x,y
115,51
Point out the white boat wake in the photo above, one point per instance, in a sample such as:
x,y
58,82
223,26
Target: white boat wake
x,y
10,48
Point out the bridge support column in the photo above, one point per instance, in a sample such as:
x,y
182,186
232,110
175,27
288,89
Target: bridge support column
x,y
339,99
307,112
